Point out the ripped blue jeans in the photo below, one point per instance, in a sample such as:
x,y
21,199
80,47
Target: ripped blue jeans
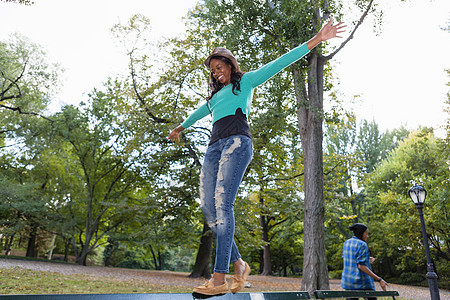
x,y
223,168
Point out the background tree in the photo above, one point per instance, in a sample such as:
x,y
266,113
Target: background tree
x,y
416,160
351,154
27,81
154,105
106,171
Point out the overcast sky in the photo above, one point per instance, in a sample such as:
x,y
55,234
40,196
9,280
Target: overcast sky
x,y
399,75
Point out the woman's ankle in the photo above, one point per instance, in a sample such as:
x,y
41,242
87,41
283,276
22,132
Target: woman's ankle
x,y
239,266
218,279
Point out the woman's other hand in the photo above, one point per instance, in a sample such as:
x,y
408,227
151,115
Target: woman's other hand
x,y
175,134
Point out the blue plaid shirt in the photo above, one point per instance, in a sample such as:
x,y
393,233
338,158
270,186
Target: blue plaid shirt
x,y
354,253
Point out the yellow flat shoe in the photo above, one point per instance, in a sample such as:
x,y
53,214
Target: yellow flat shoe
x,y
238,281
209,289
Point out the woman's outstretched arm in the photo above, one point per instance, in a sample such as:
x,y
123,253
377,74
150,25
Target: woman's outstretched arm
x,y
266,72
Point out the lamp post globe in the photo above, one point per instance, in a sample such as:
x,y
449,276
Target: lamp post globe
x,y
418,195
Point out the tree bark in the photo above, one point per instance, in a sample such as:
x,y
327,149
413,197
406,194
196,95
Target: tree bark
x,y
31,248
82,259
51,247
155,259
261,259
267,261
263,222
9,245
310,112
159,260
310,118
201,266
109,249
66,250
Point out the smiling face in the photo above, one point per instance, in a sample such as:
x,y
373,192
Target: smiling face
x,y
221,71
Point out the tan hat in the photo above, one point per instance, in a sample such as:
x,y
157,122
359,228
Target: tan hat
x,y
222,52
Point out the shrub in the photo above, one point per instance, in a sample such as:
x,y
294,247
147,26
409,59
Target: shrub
x,y
336,274
410,277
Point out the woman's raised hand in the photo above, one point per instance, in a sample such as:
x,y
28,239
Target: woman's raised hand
x,y
327,32
330,31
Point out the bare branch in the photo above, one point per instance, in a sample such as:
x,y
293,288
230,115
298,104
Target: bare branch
x,y
141,99
277,223
19,110
181,87
13,83
11,97
12,145
18,95
197,93
333,168
192,152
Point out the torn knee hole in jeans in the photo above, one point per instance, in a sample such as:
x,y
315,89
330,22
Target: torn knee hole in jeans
x,y
219,202
226,157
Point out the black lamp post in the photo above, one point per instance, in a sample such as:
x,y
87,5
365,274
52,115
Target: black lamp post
x,y
418,195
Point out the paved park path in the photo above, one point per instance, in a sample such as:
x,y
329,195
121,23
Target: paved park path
x,y
166,278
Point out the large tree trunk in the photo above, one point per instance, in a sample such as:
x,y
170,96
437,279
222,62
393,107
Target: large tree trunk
x,y
82,259
9,245
66,250
315,269
263,222
201,266
109,249
156,258
267,262
310,112
50,246
310,118
31,248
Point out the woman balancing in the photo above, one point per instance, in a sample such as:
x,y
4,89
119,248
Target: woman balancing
x,y
230,149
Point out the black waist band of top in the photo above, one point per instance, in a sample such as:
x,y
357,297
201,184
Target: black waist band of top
x,y
230,125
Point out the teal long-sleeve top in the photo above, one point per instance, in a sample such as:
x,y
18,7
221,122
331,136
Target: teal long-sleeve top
x,y
224,103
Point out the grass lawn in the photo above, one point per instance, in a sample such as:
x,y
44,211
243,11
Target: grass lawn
x,y
22,281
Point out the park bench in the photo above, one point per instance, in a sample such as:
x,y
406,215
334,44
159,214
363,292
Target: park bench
x,y
229,296
353,294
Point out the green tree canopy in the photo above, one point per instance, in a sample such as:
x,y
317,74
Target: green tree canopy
x,y
396,235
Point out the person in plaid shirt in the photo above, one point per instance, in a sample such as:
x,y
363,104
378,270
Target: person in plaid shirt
x,y
357,273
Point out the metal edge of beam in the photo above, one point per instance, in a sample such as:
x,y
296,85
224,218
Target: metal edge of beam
x,y
168,296
348,293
